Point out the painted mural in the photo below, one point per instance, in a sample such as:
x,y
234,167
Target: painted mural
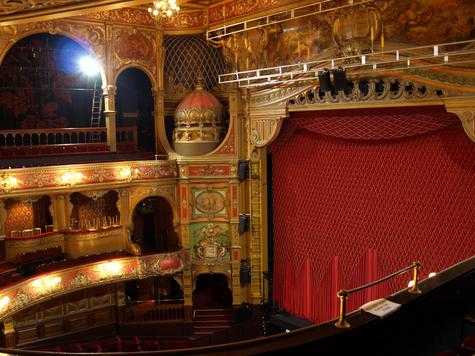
x,y
210,243
357,30
209,203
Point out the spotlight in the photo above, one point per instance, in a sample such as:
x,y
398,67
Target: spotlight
x,y
88,66
339,80
325,80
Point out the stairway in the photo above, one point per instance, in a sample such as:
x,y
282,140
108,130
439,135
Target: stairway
x,y
209,321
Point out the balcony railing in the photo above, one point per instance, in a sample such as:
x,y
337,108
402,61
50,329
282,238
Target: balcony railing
x,y
31,142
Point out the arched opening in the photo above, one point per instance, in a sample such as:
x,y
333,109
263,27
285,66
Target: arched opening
x,y
212,291
161,289
153,226
135,112
44,86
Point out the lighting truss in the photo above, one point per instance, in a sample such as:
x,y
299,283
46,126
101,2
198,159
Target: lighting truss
x,y
461,52
283,16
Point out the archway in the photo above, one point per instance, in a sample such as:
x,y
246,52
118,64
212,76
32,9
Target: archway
x,y
43,86
135,111
153,226
212,291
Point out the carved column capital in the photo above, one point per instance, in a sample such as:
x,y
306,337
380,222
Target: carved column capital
x,y
265,124
464,108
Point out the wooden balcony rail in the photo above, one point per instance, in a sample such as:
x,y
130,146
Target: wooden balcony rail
x,y
165,311
344,294
63,140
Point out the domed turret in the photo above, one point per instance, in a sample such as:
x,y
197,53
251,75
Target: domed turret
x,y
199,123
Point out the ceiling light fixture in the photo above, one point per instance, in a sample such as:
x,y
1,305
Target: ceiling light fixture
x,y
164,9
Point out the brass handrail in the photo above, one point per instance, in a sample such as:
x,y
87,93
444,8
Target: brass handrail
x,y
344,294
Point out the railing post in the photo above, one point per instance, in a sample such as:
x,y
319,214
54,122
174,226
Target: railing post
x,y
415,279
342,323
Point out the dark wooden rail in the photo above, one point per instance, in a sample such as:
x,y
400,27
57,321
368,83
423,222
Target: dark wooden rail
x,y
30,142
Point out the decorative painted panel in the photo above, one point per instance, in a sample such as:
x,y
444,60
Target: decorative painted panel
x,y
209,202
210,243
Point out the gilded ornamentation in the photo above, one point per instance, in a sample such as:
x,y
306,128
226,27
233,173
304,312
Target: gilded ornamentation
x,y
464,108
374,89
137,47
91,35
9,6
126,16
209,203
232,9
210,243
51,177
26,294
186,20
80,280
209,170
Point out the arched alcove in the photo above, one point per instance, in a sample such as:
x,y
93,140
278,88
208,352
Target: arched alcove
x,y
212,291
135,110
153,228
44,86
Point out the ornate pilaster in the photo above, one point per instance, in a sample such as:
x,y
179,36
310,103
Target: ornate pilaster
x,y
59,212
257,251
3,216
235,264
9,334
109,92
68,210
464,108
265,124
123,205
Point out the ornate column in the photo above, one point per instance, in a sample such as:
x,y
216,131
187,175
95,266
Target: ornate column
x,y
123,206
59,212
9,334
464,108
109,111
257,250
3,217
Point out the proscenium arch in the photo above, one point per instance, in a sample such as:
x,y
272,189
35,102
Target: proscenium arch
x,y
80,41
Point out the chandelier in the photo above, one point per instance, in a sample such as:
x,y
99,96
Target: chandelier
x,y
164,8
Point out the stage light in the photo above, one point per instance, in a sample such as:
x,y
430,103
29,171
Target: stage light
x,y
111,269
89,66
125,173
325,81
71,178
4,301
339,80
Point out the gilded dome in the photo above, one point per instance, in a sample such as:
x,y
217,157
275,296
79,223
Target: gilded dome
x,y
199,123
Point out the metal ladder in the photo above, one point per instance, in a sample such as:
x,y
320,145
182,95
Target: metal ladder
x,y
96,111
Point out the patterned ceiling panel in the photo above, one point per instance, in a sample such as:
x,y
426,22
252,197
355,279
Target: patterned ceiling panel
x,y
13,6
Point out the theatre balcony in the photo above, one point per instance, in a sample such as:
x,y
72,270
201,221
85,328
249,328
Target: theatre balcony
x,y
233,177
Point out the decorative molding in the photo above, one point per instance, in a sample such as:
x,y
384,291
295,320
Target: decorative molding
x,y
27,293
265,124
464,108
88,176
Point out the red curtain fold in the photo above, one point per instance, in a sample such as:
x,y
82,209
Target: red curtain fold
x,y
363,198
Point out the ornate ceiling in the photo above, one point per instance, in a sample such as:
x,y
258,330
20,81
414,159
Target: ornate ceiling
x,y
21,11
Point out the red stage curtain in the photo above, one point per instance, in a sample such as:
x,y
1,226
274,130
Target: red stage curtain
x,y
362,193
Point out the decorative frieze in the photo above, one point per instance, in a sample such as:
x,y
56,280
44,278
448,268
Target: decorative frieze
x,y
83,175
37,289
